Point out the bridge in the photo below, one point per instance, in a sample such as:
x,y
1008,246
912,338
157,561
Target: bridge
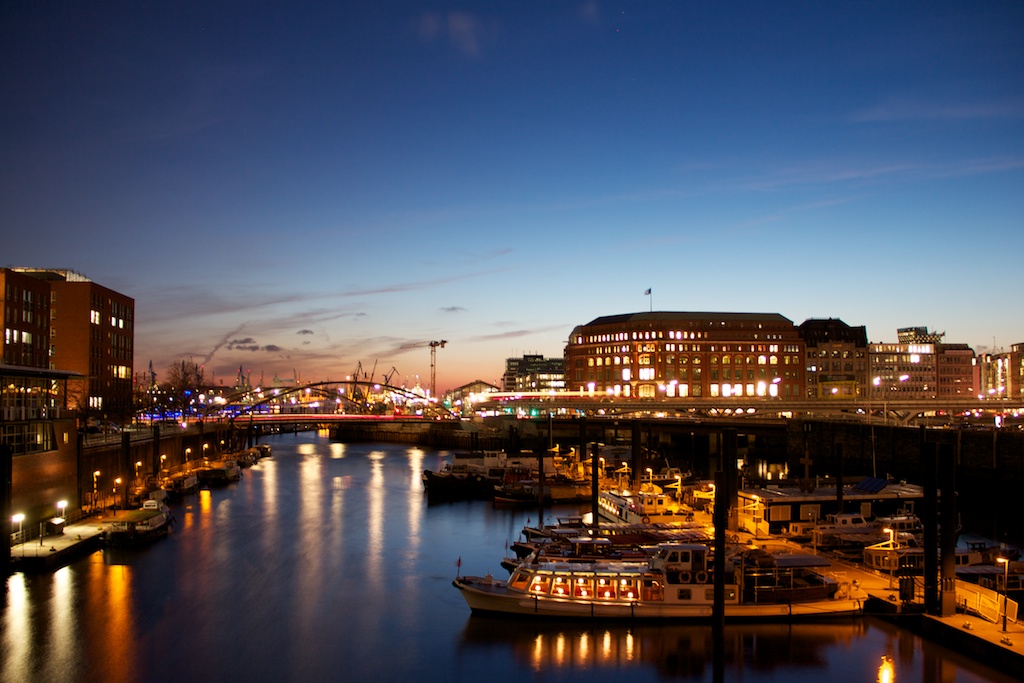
x,y
338,401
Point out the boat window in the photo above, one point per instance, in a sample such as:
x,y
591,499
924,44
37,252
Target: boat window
x,y
560,586
684,594
582,588
539,584
606,589
628,589
520,580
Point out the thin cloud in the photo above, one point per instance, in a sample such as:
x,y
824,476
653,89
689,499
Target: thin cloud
x,y
918,110
462,30
452,309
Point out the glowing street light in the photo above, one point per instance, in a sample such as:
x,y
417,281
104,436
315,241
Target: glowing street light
x,y
61,506
138,464
19,518
1006,576
892,552
95,476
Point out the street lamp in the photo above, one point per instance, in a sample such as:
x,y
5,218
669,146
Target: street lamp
x,y
95,476
61,506
892,552
19,518
138,464
1006,576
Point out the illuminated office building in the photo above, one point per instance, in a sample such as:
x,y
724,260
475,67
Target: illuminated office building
x,y
682,354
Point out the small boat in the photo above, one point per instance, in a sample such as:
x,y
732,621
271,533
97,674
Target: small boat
x,y
153,519
180,484
673,584
468,481
557,489
648,505
218,472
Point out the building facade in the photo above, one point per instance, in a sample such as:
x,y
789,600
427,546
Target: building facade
x,y
1001,374
533,373
920,365
26,316
837,359
91,332
682,354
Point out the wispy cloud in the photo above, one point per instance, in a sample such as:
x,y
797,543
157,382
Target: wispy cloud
x,y
920,110
462,30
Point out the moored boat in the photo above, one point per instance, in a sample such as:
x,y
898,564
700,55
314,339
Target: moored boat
x,y
648,505
673,584
153,519
218,472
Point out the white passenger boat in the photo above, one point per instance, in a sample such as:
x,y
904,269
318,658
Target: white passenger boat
x,y
673,584
648,505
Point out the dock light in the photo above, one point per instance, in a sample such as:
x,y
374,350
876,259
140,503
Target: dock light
x,y
1006,577
892,552
19,518
61,506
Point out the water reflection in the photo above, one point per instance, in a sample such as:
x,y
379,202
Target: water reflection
x,y
678,651
325,562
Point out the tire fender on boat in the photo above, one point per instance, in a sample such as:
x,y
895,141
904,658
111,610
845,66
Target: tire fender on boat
x,y
702,577
684,577
646,519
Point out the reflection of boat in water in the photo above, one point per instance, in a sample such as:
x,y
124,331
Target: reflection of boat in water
x,y
676,651
673,584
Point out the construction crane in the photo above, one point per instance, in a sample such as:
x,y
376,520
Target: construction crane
x,y
433,361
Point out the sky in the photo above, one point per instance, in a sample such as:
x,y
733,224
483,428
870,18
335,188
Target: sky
x,y
301,189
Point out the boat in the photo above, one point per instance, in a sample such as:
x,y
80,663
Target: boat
x,y
908,559
180,484
469,482
153,519
672,584
557,489
648,505
218,472
474,474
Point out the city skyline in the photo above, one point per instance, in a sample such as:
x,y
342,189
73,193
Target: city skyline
x,y
298,190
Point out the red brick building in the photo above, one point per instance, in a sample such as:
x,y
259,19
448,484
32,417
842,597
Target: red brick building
x,y
701,355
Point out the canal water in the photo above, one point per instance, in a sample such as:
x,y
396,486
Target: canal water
x,y
325,563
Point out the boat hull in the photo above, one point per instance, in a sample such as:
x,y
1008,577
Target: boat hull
x,y
486,595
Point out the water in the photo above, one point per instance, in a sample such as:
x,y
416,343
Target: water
x,y
326,563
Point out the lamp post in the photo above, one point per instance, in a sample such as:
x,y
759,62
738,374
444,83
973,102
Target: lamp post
x,y
892,553
138,464
1006,576
19,518
61,506
95,476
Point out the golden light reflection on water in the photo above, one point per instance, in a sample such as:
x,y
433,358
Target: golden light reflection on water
x,y
886,670
415,499
62,616
17,631
108,592
375,496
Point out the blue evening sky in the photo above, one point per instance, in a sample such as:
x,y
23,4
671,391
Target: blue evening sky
x,y
299,187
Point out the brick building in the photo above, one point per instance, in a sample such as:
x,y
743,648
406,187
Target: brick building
x,y
683,354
